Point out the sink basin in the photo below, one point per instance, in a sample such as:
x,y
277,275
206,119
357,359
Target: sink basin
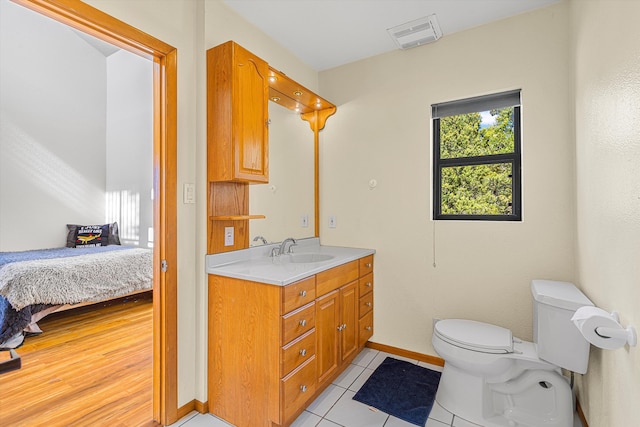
x,y
308,258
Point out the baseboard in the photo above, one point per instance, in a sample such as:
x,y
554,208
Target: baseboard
x,y
194,405
434,360
583,419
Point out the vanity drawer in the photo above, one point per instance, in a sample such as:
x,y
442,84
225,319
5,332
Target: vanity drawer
x,y
365,284
366,265
297,351
366,304
332,279
366,328
298,294
297,388
298,322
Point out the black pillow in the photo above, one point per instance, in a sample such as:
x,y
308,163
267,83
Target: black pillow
x,y
84,236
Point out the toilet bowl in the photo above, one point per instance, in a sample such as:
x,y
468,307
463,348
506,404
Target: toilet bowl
x,y
493,379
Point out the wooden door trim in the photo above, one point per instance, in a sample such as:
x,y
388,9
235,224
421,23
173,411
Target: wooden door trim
x,y
92,21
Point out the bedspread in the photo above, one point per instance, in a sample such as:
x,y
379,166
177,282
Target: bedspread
x,y
33,280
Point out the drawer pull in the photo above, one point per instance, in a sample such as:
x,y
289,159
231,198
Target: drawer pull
x,y
303,293
303,352
303,388
368,285
303,322
368,328
368,304
368,265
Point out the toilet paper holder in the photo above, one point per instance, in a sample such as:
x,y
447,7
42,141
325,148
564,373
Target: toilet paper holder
x,y
628,334
603,329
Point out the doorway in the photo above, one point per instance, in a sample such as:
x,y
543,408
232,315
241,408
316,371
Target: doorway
x,y
92,21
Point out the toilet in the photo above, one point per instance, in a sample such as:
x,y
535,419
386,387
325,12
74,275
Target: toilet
x,y
492,378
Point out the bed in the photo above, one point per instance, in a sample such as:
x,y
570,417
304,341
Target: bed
x,y
38,282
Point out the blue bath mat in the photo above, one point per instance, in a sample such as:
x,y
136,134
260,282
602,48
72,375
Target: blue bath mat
x,y
401,389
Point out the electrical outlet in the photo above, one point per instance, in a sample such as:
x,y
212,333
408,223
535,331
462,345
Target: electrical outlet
x,y
228,236
333,222
304,220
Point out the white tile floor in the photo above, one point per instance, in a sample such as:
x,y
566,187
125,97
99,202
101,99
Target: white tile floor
x,y
336,408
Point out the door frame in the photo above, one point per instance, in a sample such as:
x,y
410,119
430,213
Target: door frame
x,y
92,21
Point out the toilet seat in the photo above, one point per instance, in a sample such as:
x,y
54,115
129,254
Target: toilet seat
x,y
475,336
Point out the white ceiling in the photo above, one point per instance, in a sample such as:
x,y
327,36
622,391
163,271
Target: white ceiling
x,y
328,33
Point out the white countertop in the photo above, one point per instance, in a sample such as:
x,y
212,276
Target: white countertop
x,y
256,264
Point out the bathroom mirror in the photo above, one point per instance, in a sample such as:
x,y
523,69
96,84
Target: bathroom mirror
x,y
288,199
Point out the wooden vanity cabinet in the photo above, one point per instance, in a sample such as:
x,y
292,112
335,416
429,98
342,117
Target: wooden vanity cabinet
x,y
365,310
336,314
237,115
273,349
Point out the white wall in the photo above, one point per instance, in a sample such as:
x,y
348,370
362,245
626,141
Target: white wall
x,y
606,54
52,146
129,150
76,125
382,131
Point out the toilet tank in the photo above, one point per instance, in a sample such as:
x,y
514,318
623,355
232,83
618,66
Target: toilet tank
x,y
557,339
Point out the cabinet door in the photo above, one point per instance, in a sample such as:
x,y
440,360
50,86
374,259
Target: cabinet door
x,y
327,322
349,320
250,112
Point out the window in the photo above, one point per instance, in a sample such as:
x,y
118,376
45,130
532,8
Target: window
x,y
476,158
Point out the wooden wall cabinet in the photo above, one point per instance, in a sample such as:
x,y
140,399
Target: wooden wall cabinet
x,y
273,349
237,115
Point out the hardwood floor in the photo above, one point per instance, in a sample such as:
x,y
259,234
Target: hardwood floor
x,y
90,367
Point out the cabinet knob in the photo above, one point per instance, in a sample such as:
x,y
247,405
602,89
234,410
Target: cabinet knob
x,y
303,352
368,328
303,293
339,327
368,285
368,304
344,326
368,265
303,388
303,322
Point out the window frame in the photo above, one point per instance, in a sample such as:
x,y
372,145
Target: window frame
x,y
515,158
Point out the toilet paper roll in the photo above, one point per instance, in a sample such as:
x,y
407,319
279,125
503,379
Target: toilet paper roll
x,y
589,319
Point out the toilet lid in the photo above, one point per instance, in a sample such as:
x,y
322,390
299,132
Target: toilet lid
x,y
475,336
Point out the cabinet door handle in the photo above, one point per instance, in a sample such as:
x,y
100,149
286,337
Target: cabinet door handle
x,y
339,327
303,293
344,326
303,388
303,352
368,265
303,322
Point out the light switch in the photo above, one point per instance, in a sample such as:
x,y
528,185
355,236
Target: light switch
x,y
189,192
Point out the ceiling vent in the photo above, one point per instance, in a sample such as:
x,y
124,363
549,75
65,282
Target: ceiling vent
x,y
415,33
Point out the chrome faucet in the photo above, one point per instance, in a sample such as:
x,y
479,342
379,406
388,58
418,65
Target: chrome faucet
x,y
264,241
283,245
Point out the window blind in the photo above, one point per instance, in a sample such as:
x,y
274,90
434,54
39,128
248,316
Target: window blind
x,y
476,104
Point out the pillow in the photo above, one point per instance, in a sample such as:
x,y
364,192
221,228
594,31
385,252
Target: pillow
x,y
84,236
